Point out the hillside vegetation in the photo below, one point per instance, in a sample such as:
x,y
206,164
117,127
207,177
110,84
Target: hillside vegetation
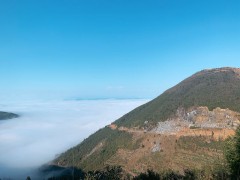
x,y
133,149
106,141
6,115
211,88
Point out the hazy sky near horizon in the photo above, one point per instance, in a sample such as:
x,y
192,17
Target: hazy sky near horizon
x,y
112,48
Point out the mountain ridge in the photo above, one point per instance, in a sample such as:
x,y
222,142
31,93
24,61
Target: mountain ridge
x,y
207,96
7,115
197,90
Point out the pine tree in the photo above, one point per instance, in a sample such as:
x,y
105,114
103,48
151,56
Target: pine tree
x,y
232,154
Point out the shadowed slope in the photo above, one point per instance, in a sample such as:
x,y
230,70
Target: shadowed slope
x,y
6,115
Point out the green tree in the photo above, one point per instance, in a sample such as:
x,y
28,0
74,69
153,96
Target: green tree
x,y
108,173
149,175
232,154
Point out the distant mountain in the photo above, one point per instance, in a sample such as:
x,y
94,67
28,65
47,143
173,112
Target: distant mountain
x,y
184,127
6,115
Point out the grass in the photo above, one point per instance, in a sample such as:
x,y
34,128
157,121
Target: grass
x,y
189,142
112,140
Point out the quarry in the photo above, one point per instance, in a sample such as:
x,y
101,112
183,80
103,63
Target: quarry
x,y
165,141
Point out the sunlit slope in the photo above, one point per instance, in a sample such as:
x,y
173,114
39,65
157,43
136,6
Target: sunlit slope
x,y
211,88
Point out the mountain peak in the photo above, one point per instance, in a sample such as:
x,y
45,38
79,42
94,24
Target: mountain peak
x,y
212,88
219,70
188,121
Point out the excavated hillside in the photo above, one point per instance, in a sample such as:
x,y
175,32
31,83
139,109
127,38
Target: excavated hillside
x,y
184,127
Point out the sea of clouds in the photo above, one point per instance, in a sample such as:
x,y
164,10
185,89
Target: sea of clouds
x,y
48,128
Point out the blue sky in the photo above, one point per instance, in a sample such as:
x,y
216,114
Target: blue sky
x,y
112,48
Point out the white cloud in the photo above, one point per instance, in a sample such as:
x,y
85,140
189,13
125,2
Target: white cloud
x,y
49,128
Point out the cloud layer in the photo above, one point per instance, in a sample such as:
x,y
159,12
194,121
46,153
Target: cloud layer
x,y
46,129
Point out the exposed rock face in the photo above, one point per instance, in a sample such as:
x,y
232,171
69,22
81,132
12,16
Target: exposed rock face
x,y
199,117
218,118
156,147
170,126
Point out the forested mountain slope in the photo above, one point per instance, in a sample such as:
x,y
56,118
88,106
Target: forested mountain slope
x,y
200,111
